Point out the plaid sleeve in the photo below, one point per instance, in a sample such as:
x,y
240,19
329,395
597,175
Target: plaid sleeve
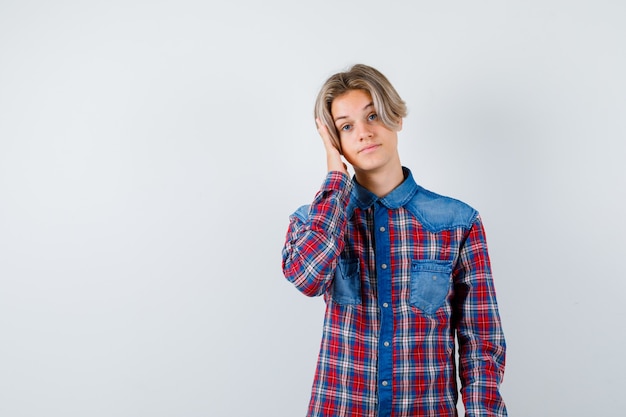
x,y
481,340
315,238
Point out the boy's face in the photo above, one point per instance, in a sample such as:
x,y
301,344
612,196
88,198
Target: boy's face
x,y
367,144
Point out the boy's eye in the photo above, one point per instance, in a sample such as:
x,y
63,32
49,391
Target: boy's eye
x,y
372,116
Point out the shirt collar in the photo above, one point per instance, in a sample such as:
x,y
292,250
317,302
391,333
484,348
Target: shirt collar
x,y
397,198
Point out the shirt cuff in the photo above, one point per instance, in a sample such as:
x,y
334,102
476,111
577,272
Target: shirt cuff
x,y
339,182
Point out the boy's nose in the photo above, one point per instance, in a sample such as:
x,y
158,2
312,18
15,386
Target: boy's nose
x,y
364,132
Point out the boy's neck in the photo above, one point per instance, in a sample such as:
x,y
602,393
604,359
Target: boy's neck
x,y
383,182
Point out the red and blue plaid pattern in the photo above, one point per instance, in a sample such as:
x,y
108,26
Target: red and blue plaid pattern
x,y
388,337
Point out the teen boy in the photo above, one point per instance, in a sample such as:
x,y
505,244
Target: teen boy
x,y
402,270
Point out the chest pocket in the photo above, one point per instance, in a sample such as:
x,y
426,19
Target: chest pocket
x,y
430,284
347,282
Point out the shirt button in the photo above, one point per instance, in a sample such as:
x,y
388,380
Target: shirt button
x,y
385,305
384,266
386,344
385,383
434,277
382,228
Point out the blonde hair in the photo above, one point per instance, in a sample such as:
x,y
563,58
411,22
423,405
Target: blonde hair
x,y
387,102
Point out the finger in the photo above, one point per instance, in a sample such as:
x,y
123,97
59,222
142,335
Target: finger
x,y
323,131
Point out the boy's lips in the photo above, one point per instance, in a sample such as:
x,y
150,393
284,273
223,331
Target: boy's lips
x,y
369,148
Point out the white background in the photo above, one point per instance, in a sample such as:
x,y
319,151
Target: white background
x,y
151,152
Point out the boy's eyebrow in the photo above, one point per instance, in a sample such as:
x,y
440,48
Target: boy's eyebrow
x,y
371,103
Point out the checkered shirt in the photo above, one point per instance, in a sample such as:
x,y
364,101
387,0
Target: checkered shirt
x,y
401,276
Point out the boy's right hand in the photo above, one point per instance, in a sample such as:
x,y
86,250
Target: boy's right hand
x,y
333,157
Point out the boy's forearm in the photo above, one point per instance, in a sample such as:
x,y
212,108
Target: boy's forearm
x,y
481,367
316,238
